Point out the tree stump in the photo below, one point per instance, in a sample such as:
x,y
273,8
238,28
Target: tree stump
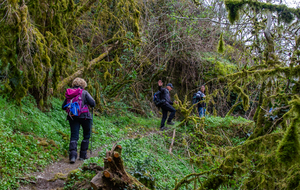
x,y
114,176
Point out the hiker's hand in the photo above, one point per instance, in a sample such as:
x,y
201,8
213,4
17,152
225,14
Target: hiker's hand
x,y
160,83
175,102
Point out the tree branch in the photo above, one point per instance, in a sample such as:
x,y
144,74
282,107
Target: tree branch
x,y
207,19
65,81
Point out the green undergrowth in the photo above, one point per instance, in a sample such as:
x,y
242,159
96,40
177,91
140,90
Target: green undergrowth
x,y
213,136
31,139
237,129
148,158
218,66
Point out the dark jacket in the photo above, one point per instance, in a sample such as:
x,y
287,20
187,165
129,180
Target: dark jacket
x,y
200,96
87,100
165,95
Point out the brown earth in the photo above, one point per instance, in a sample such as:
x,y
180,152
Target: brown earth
x,y
45,177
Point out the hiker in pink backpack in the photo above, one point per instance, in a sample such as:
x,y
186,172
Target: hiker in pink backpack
x,y
76,105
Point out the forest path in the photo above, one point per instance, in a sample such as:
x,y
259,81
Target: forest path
x,y
44,179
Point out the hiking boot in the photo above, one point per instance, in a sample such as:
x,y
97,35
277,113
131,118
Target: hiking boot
x,y
73,151
83,149
82,159
72,160
163,129
170,123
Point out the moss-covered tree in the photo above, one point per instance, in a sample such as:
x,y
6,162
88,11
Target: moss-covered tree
x,y
45,44
267,160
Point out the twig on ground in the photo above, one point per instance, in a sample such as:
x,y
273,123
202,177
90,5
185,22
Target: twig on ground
x,y
174,132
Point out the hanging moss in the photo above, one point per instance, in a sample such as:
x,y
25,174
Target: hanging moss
x,y
107,75
215,113
288,149
233,7
285,13
221,44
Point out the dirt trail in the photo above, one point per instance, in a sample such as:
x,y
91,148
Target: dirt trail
x,y
63,166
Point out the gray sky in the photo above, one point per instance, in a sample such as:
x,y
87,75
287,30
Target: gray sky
x,y
293,3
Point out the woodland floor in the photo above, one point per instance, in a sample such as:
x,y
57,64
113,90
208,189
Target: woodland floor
x,y
44,180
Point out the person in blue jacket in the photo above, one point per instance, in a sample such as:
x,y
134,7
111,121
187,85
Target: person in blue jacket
x,y
201,106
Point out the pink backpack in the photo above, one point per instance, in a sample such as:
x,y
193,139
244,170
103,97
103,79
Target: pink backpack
x,y
74,102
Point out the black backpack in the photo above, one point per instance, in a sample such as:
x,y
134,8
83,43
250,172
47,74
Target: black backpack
x,y
157,99
195,100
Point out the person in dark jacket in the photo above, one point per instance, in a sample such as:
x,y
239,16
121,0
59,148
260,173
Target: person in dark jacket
x,y
201,106
167,105
84,119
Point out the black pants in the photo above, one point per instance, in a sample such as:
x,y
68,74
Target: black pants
x,y
75,126
165,109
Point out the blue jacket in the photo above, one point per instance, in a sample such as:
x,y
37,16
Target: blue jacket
x,y
200,96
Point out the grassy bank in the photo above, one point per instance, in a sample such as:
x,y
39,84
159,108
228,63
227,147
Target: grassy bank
x,y
31,139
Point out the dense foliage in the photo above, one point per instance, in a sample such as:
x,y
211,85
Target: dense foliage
x,y
274,142
245,52
46,44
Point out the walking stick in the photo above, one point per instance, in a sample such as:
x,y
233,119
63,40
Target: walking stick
x,y
91,152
